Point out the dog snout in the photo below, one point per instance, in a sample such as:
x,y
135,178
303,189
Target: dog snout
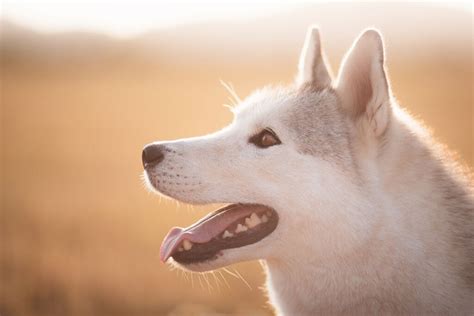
x,y
152,155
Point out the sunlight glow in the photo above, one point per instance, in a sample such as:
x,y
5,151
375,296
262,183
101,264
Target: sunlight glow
x,y
127,17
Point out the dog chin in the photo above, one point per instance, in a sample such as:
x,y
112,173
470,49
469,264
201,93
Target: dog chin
x,y
220,262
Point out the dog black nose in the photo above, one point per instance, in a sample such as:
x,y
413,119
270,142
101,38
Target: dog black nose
x,y
152,155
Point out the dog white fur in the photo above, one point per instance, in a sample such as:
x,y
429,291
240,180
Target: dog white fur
x,y
375,218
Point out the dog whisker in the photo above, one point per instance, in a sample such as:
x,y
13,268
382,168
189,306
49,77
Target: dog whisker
x,y
234,98
217,281
209,286
238,276
223,278
200,281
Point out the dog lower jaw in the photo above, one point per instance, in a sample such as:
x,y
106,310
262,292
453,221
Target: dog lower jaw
x,y
223,259
205,266
234,226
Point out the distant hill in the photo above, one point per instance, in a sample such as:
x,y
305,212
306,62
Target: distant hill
x,y
422,29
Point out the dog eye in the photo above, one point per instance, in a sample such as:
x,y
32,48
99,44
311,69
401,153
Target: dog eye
x,y
265,139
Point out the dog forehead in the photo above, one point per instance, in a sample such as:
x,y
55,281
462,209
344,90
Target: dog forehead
x,y
288,106
317,125
263,104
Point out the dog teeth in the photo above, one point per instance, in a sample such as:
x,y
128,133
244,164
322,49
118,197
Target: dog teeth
x,y
227,234
264,218
241,228
187,245
252,221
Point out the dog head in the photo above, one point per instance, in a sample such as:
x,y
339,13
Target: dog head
x,y
288,165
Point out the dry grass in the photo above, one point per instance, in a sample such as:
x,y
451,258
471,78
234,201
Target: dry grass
x,y
80,234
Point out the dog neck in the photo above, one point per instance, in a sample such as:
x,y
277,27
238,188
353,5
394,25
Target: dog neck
x,y
337,283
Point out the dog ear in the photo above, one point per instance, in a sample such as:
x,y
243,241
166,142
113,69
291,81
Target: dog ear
x,y
312,67
362,84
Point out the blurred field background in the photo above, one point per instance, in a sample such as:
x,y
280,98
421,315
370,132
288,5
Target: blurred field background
x,y
79,233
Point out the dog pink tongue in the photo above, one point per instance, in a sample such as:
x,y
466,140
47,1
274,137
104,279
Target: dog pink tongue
x,y
206,228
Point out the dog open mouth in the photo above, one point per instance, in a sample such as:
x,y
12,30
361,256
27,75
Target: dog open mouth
x,y
232,226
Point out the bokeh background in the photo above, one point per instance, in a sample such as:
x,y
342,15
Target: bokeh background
x,y
82,94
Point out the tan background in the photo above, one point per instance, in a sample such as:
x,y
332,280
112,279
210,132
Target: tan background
x,y
80,234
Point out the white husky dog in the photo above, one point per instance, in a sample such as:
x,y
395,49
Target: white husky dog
x,y
348,202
